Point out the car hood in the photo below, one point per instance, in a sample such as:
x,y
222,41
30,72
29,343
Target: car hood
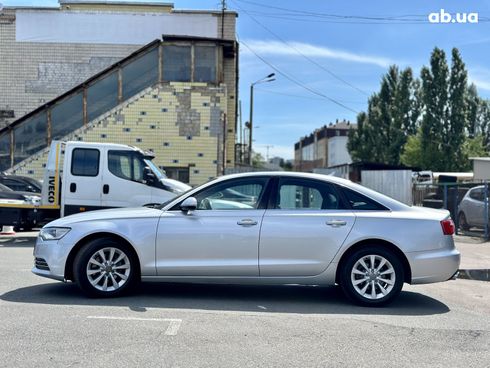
x,y
176,186
112,214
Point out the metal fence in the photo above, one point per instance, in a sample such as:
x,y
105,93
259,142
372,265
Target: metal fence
x,y
468,204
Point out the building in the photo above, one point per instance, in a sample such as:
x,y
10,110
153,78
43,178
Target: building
x,y
143,74
323,148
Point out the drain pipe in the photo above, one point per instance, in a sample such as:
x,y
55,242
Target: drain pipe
x,y
485,204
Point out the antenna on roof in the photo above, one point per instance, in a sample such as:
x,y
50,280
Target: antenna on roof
x,y
223,5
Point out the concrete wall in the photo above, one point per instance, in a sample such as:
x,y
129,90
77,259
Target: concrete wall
x,y
337,151
33,72
396,184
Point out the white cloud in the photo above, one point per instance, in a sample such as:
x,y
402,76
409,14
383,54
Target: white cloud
x,y
483,84
286,152
279,48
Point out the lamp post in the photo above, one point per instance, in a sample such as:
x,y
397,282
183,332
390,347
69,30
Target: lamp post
x,y
269,78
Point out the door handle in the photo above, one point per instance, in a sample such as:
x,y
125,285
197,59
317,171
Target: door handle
x,y
105,189
336,223
247,222
73,187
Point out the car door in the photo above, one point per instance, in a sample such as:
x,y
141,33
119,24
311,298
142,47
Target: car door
x,y
123,181
82,184
219,238
304,228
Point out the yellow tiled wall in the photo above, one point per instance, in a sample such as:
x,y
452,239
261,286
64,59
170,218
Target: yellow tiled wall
x,y
182,123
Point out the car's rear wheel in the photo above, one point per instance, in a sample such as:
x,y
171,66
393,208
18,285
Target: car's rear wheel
x,y
463,224
372,276
105,268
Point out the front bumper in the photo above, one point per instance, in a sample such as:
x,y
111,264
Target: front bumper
x,y
53,256
434,266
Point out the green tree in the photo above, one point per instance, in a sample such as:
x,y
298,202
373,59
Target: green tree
x,y
392,115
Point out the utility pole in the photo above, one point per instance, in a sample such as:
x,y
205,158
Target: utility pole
x,y
267,148
269,78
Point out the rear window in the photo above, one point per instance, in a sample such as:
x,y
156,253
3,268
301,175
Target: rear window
x,y
360,202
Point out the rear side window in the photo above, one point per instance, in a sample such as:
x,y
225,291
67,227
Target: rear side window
x,y
477,194
360,202
303,194
85,162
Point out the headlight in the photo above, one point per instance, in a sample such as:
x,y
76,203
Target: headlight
x,y
53,233
33,199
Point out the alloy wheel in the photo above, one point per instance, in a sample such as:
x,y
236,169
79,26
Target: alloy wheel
x,y
108,269
373,276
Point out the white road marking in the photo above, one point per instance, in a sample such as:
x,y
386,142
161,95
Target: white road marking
x,y
172,328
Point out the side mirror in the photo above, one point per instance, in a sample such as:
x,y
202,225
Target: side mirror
x,y
148,175
189,205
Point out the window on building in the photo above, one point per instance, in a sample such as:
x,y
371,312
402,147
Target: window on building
x,y
102,96
177,63
139,74
85,162
178,173
204,64
67,116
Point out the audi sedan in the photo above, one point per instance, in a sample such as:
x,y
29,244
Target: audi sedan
x,y
261,228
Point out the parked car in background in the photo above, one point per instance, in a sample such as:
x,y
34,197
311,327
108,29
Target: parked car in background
x,y
21,183
262,228
9,197
471,210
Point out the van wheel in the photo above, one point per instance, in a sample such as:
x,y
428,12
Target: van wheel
x,y
372,276
105,268
463,224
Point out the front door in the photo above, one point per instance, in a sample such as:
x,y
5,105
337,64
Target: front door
x,y
219,238
123,182
304,229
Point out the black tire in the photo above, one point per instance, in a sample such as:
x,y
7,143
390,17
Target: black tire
x,y
397,276
81,265
463,224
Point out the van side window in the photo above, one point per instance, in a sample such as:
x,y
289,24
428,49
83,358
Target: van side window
x,y
85,162
126,165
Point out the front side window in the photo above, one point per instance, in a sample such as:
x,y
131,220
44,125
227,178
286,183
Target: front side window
x,y
233,195
126,165
85,162
299,194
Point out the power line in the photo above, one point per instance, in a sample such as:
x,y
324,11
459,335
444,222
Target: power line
x,y
351,19
304,55
297,82
302,96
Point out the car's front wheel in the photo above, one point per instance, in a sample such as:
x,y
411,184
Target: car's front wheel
x,y
372,276
105,268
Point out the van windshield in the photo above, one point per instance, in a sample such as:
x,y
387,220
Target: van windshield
x,y
155,170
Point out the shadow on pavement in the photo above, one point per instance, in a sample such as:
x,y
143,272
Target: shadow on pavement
x,y
19,241
263,299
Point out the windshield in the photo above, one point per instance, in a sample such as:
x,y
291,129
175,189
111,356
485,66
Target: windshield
x,y
155,169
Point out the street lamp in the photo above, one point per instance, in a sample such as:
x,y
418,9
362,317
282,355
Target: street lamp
x,y
269,78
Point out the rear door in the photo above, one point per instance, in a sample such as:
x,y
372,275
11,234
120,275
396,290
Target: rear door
x,y
82,180
304,228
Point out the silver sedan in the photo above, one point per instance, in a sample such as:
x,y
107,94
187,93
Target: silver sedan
x,y
261,228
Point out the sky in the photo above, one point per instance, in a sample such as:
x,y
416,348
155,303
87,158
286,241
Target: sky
x,y
329,56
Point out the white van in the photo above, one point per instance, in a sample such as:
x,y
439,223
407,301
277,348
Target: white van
x,y
93,176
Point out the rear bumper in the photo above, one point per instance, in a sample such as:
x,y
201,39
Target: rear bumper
x,y
434,266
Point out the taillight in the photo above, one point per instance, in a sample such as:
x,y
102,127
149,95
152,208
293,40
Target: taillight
x,y
448,227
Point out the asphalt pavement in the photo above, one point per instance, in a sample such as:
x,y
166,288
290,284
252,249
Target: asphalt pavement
x,y
49,323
